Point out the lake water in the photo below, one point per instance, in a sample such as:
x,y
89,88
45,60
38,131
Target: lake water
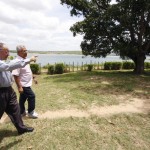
x,y
44,59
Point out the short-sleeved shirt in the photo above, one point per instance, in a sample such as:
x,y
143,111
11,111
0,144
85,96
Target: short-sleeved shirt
x,y
24,73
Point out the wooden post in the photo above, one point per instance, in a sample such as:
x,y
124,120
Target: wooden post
x,y
73,66
69,66
40,68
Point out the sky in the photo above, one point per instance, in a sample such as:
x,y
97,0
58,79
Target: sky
x,y
40,25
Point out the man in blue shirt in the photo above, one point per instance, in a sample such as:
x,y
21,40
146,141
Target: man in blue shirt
x,y
8,98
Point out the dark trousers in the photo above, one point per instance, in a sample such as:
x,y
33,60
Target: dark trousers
x,y
28,95
9,104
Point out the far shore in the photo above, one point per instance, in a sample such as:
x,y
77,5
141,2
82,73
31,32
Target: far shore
x,y
52,52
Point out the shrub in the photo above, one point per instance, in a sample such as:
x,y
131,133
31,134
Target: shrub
x,y
147,65
59,68
112,65
35,68
107,66
51,69
46,66
10,57
116,65
128,65
89,67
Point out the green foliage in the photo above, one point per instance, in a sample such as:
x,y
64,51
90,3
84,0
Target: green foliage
x,y
59,68
147,65
10,57
116,66
51,69
128,65
89,67
122,28
112,65
46,66
107,66
35,68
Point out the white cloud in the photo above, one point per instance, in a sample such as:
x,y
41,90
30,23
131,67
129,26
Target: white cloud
x,y
38,24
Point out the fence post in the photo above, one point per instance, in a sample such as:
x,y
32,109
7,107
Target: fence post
x,y
69,66
40,68
98,66
73,66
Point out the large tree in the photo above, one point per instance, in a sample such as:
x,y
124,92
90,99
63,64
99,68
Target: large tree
x,y
122,28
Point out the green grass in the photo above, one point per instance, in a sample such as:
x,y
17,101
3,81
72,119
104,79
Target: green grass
x,y
82,90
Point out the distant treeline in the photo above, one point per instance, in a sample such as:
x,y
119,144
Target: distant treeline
x,y
52,52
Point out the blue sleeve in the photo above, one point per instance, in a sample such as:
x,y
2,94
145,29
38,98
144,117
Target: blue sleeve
x,y
13,65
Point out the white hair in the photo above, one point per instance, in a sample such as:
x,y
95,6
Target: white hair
x,y
20,47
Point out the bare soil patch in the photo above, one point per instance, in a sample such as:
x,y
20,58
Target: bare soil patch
x,y
134,106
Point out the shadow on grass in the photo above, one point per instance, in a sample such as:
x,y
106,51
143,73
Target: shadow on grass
x,y
81,75
116,81
5,134
113,75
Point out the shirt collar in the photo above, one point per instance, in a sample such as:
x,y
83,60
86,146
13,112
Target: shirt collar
x,y
19,57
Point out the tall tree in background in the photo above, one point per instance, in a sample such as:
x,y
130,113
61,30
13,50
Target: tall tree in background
x,y
122,28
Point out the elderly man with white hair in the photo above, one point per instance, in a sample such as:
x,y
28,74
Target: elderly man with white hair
x,y
8,98
23,78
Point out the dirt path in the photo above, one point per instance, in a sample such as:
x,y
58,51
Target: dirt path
x,y
134,106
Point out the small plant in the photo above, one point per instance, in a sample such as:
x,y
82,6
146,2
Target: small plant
x,y
112,65
35,68
51,69
147,65
89,67
107,65
10,57
116,65
46,66
128,65
59,68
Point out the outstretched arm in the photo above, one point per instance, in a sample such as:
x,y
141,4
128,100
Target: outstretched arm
x,y
15,64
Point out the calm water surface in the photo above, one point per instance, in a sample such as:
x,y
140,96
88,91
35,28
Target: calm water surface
x,y
44,59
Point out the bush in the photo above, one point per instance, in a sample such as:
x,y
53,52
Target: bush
x,y
147,65
35,68
46,66
116,65
112,65
51,69
128,65
107,66
59,68
89,67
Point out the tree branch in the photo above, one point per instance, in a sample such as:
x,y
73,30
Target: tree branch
x,y
100,6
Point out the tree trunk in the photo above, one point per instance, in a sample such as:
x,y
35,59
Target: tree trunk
x,y
139,64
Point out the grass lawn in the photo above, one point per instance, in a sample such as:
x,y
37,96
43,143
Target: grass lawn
x,y
82,91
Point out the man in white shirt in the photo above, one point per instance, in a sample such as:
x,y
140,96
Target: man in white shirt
x,y
23,78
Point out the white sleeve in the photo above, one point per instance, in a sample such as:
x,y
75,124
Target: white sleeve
x,y
16,72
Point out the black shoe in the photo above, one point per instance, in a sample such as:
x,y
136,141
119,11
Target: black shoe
x,y
24,130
